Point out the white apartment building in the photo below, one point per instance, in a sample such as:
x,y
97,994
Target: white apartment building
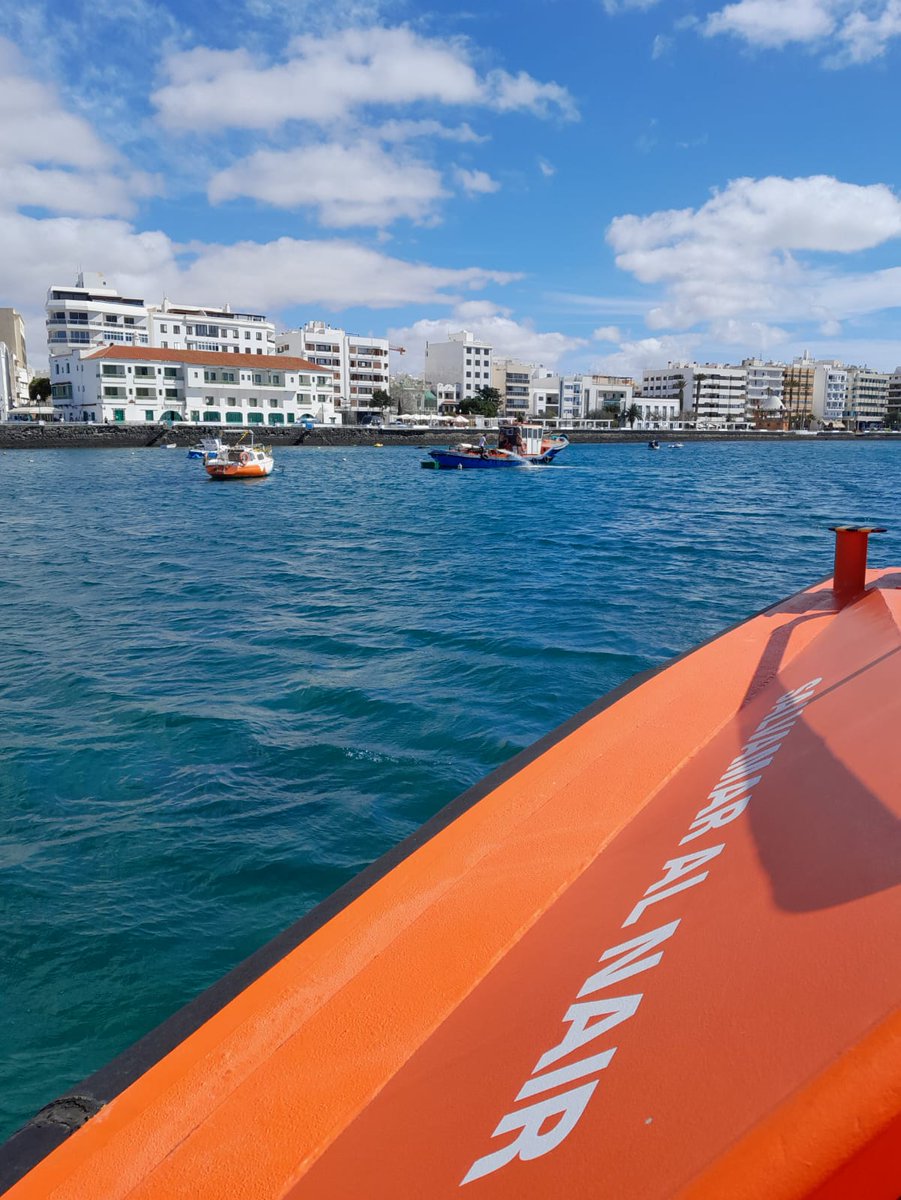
x,y
462,362
512,379
764,389
866,406
893,401
830,392
544,396
713,395
145,385
92,313
14,383
359,364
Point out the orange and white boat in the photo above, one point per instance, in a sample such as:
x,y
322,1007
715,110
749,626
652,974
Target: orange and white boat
x,y
657,955
242,461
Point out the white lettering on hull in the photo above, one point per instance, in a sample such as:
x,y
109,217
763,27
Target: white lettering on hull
x,y
538,1131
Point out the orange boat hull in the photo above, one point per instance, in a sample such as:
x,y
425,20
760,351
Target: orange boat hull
x,y
236,470
654,956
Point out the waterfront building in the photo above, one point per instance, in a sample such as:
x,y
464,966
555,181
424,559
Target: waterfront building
x,y
893,400
830,392
711,395
93,313
463,363
14,382
797,391
763,387
359,363
544,396
866,406
145,385
512,378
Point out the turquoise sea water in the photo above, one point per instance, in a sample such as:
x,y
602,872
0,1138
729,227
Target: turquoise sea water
x,y
220,701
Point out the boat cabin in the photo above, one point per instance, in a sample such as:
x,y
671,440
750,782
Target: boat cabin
x,y
521,439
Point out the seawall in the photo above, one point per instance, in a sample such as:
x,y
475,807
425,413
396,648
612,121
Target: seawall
x,y
52,436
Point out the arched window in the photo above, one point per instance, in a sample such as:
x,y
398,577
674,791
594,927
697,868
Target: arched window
x,y
255,418
171,415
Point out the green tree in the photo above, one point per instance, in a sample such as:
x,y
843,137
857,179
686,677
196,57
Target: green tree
x,y
39,389
633,412
485,402
380,399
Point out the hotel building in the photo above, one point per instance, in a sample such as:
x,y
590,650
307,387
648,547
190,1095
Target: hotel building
x,y
359,364
93,314
146,385
463,363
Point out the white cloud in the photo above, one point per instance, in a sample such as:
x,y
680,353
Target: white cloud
x,y
408,131
634,356
661,46
849,32
269,277
326,79
347,185
607,333
547,169
612,7
509,338
774,22
53,159
739,255
475,183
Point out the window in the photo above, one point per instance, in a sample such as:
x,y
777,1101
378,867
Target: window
x,y
128,320
246,336
273,403
118,414
170,372
253,402
195,415
212,415
109,369
259,337
290,418
275,381
176,329
258,378
234,418
144,393
231,402
164,329
145,371
114,393
110,320
254,418
148,414
276,418
228,377
209,377
171,393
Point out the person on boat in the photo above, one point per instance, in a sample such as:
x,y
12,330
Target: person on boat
x,y
483,445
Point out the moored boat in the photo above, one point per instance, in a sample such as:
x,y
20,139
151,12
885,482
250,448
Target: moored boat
x,y
242,461
653,956
208,449
517,446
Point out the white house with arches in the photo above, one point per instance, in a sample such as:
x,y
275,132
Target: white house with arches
x,y
146,385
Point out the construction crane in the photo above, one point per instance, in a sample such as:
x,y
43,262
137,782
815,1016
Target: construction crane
x,y
398,349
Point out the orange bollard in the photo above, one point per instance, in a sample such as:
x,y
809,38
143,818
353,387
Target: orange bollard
x,y
850,571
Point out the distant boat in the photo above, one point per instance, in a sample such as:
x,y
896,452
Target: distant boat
x,y
653,444
517,446
208,448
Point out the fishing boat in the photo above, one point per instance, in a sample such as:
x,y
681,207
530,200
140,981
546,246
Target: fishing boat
x,y
517,446
242,461
208,449
653,956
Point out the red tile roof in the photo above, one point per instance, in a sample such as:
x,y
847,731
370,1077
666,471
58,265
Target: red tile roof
x,y
207,358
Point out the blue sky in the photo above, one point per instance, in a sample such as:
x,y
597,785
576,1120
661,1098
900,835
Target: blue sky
x,y
590,184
